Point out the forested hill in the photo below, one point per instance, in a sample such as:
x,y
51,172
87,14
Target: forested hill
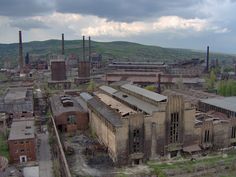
x,y
118,50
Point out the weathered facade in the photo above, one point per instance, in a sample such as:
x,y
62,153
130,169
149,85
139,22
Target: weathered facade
x,y
22,141
136,125
18,102
68,114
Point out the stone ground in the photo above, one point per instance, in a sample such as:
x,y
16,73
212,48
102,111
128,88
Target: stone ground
x,y
96,163
45,162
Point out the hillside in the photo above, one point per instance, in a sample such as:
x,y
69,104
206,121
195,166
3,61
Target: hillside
x,y
117,50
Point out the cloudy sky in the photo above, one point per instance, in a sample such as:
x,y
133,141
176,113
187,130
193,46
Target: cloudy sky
x,y
179,24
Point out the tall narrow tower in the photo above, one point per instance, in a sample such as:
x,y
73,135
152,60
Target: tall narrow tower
x,y
207,60
83,48
89,49
20,52
62,44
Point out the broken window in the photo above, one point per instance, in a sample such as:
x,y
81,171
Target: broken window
x,y
71,119
206,136
174,127
136,140
233,132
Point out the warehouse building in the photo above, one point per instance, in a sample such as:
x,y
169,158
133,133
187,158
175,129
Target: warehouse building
x,y
68,114
136,124
22,141
225,105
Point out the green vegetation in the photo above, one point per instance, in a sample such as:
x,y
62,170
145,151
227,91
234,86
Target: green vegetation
x,y
118,50
211,80
151,88
56,168
227,88
190,166
3,146
91,86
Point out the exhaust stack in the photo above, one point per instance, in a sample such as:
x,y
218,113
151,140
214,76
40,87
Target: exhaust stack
x,y
207,62
83,48
20,52
89,49
62,44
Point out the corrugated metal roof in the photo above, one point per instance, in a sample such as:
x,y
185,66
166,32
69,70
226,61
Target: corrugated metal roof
x,y
22,130
140,104
85,96
228,103
143,92
107,89
120,107
106,112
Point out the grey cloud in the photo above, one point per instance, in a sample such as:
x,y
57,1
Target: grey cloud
x,y
23,8
123,10
27,24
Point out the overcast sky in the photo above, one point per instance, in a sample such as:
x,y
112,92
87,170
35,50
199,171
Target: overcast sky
x,y
179,24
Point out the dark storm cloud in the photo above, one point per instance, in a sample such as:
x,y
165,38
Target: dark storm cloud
x,y
126,10
22,8
27,24
117,10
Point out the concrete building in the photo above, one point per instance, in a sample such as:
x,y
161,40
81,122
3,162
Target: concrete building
x,y
149,78
226,105
22,141
69,116
137,125
18,102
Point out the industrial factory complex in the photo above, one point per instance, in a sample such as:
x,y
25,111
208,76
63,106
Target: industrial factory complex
x,y
86,109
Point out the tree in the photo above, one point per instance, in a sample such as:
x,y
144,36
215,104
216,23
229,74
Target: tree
x,y
91,86
211,80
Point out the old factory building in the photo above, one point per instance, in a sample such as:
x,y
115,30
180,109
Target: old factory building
x,y
138,125
22,141
68,114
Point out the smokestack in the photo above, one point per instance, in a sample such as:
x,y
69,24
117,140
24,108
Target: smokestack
x,y
207,62
89,49
20,52
159,84
62,44
83,49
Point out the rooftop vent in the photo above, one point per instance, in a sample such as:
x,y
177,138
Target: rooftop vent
x,y
67,101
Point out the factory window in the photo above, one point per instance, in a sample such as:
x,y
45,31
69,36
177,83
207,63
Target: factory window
x,y
71,119
174,127
136,140
233,132
206,136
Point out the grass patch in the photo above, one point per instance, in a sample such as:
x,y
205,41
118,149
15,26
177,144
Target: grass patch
x,y
3,146
190,166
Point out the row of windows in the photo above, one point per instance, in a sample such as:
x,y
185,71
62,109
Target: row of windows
x,y
21,142
22,150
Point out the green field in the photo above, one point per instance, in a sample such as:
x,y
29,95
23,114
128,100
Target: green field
x,y
3,146
119,50
204,163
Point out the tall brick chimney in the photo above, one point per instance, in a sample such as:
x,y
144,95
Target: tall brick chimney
x,y
83,48
207,60
20,52
62,44
89,49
